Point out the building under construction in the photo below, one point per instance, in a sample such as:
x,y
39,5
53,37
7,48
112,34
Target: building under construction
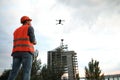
x,y
62,60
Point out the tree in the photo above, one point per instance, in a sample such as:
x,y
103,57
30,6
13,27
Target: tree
x,y
93,71
47,73
36,68
5,75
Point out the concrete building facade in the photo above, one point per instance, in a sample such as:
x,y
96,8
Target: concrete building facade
x,y
62,59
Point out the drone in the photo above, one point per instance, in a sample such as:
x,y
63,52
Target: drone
x,y
59,21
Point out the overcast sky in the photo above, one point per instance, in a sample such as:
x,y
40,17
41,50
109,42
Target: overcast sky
x,y
91,28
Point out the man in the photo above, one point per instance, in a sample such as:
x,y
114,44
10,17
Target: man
x,y
23,49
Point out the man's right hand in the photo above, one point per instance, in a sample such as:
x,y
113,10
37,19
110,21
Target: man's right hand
x,y
35,43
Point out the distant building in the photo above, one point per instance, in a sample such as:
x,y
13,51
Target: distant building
x,y
62,59
107,77
112,77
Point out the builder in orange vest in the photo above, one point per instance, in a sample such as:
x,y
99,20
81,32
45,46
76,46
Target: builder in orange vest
x,y
23,49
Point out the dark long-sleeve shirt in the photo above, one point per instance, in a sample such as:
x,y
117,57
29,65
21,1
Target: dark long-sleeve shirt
x,y
31,34
32,40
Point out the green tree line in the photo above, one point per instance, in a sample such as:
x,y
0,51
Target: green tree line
x,y
38,72
42,72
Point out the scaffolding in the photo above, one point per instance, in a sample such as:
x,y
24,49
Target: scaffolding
x,y
62,59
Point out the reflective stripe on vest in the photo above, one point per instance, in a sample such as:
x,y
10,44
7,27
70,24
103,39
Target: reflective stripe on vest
x,y
22,39
22,45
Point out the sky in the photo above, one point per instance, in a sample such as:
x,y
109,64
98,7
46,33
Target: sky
x,y
91,29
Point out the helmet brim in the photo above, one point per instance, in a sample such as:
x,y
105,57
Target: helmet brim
x,y
29,20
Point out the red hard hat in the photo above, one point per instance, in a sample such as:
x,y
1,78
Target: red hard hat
x,y
25,18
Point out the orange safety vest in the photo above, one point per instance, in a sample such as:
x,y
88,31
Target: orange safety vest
x,y
21,40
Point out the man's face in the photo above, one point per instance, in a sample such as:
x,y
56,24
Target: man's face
x,y
29,23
